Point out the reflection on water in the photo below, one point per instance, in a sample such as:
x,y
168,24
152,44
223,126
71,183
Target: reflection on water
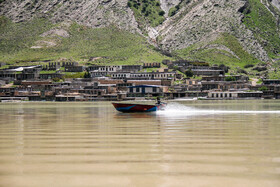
x,y
191,143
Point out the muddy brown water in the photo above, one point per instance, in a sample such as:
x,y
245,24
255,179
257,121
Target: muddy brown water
x,y
191,143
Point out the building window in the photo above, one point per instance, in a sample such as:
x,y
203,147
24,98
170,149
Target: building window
x,y
130,90
154,89
143,90
137,90
225,94
213,95
230,95
217,95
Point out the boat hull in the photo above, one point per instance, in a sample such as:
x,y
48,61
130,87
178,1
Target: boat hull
x,y
125,107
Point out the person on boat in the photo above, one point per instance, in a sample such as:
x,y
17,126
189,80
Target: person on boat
x,y
158,101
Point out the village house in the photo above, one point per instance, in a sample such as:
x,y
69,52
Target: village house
x,y
180,88
193,85
272,88
198,68
108,80
52,66
271,82
74,68
7,92
225,85
20,72
185,64
122,70
235,95
145,91
51,75
33,85
131,68
224,77
277,92
152,65
144,75
207,72
68,98
102,71
146,82
69,64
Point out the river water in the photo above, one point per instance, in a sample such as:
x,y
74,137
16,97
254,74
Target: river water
x,y
191,143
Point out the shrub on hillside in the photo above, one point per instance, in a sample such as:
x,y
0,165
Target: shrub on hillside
x,y
249,66
230,78
189,73
263,88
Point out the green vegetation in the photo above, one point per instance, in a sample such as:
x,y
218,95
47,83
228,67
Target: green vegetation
x,y
264,26
259,81
74,75
239,58
150,69
189,73
147,11
174,10
16,39
56,79
230,78
274,75
47,72
108,45
263,88
177,82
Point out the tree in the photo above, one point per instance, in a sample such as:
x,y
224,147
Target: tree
x,y
129,4
87,75
189,73
263,88
161,13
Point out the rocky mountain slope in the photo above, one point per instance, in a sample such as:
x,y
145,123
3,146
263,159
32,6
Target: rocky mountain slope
x,y
191,29
97,13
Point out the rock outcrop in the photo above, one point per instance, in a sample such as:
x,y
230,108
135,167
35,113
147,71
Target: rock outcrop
x,y
276,3
167,4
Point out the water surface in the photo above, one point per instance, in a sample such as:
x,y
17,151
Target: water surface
x,y
192,143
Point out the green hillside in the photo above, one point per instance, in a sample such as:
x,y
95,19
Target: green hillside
x,y
109,45
264,25
236,58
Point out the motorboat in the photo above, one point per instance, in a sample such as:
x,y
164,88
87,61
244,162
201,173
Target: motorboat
x,y
130,107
